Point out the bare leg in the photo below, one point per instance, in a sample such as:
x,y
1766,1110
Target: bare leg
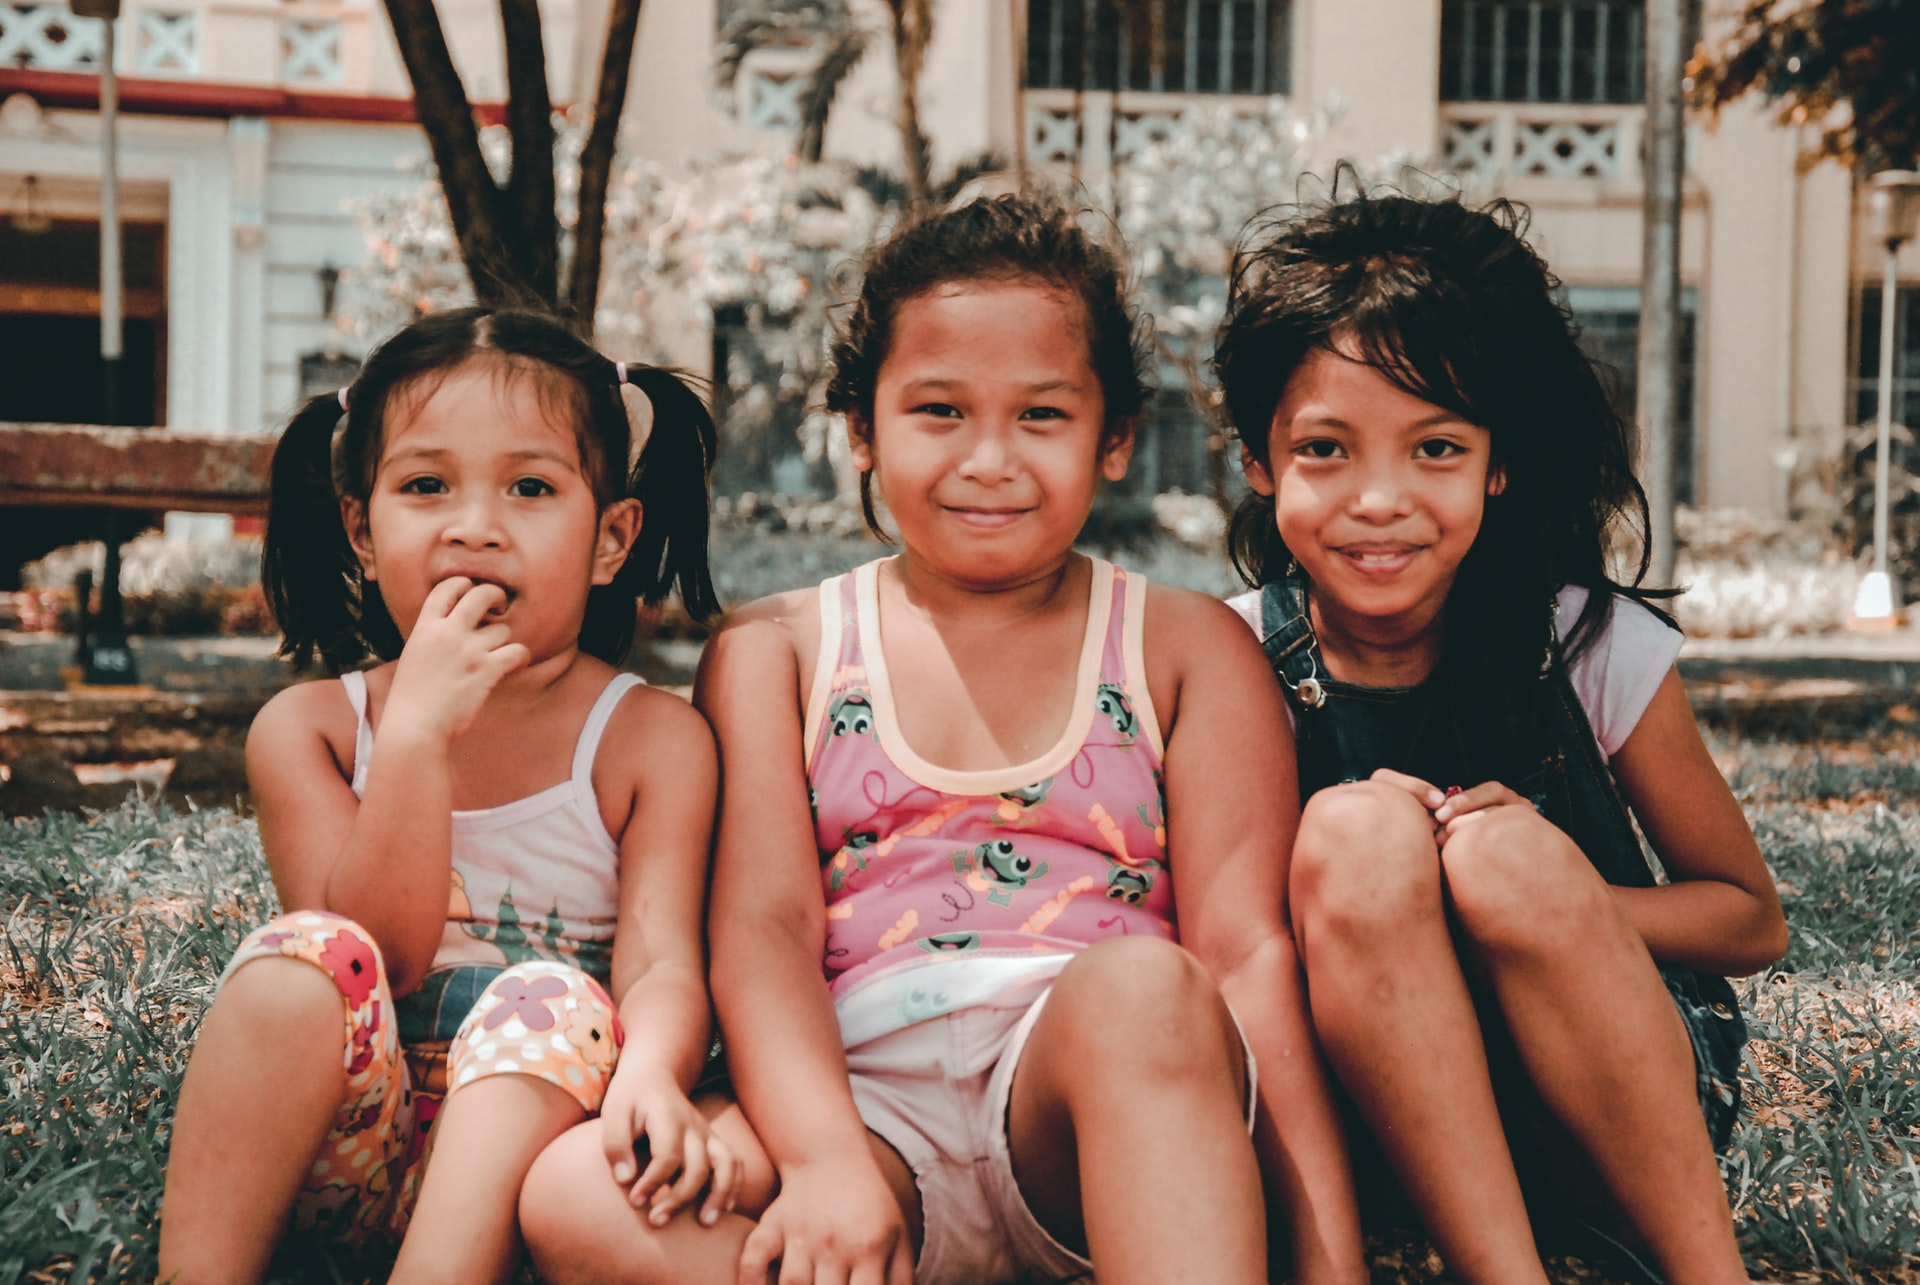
x,y
580,1228
260,1096
1131,1092
1597,1032
484,1140
1396,1019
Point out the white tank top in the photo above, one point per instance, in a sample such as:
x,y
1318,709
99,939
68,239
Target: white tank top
x,y
537,878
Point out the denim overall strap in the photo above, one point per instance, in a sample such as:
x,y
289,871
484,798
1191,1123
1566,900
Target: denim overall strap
x,y
1604,831
1287,635
1600,822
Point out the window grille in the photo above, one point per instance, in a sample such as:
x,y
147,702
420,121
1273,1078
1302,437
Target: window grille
x,y
1545,51
1161,46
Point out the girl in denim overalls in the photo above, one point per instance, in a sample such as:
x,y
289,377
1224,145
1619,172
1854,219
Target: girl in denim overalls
x,y
1526,1018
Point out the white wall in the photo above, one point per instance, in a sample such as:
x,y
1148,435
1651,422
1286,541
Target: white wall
x,y
316,169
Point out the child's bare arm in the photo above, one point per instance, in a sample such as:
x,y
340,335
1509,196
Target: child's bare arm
x,y
1232,808
658,770
382,860
299,761
768,929
1721,912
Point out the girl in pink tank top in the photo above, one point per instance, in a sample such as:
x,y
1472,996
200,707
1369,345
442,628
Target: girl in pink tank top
x,y
964,790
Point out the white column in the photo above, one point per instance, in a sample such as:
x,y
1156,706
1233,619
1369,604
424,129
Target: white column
x,y
248,139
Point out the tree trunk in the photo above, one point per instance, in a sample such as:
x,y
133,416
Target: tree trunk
x,y
509,237
1657,357
596,161
844,50
481,224
530,182
912,32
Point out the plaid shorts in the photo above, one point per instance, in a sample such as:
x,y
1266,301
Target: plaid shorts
x,y
539,1018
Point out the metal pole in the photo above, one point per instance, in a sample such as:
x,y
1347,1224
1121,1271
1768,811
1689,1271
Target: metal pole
x,y
1883,426
1894,199
109,659
1657,359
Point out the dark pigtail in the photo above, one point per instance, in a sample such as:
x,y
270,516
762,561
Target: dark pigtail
x,y
670,481
308,571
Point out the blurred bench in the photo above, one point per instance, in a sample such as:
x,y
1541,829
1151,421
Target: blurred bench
x,y
133,468
42,734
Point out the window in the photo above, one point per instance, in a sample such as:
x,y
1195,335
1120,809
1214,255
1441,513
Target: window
x,y
1906,357
1544,51
1160,46
1608,328
326,372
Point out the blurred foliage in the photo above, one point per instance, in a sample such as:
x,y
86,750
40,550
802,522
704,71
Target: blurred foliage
x,y
1849,67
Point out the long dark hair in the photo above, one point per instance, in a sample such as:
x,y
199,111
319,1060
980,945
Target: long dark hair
x,y
1451,305
1010,237
312,578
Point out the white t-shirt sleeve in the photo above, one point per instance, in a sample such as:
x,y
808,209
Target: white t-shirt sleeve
x,y
1617,675
1247,607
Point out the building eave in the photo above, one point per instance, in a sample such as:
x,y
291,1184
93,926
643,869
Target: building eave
x,y
80,91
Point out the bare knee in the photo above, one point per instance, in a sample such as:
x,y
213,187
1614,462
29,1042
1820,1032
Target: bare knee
x,y
1519,886
564,1212
1364,864
1141,1007
277,1001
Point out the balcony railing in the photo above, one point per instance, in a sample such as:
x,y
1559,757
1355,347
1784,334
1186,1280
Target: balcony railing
x,y
291,43
1094,132
1501,142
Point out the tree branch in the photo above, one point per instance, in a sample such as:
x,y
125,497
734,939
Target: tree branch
x,y
912,32
530,185
440,102
843,53
596,160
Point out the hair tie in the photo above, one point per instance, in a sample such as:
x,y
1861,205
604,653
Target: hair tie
x,y
343,399
620,372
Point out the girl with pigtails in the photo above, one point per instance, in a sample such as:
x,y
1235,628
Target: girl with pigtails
x,y
490,844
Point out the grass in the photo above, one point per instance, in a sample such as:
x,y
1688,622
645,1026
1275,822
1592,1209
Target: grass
x,y
118,922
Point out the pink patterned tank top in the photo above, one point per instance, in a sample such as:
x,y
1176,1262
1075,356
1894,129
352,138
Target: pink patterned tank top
x,y
1045,857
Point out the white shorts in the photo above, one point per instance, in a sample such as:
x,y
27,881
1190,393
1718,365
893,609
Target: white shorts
x,y
937,1093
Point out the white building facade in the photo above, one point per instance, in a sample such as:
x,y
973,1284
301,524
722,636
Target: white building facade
x,y
248,125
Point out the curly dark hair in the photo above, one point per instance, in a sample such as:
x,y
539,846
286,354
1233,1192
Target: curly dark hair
x,y
1010,237
325,607
1451,305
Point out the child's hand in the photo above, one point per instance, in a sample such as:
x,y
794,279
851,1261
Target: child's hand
x,y
453,659
678,1142
833,1221
1464,807
1426,795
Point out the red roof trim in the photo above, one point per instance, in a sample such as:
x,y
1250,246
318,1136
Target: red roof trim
x,y
81,90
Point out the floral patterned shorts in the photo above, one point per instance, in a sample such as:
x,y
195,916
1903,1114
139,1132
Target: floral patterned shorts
x,y
540,1018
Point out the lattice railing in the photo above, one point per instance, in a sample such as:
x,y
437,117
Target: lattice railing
x,y
295,44
1498,142
310,51
773,99
48,38
166,43
1098,131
